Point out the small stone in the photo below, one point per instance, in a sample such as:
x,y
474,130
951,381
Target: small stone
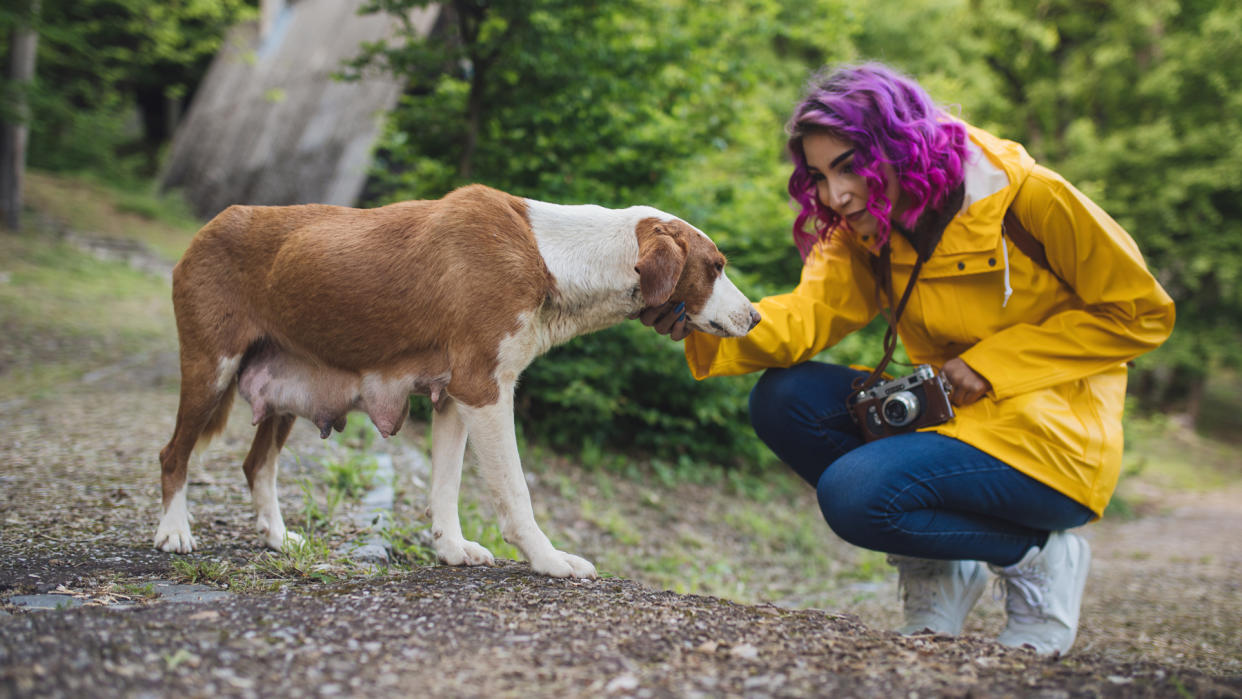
x,y
707,647
370,553
745,651
622,683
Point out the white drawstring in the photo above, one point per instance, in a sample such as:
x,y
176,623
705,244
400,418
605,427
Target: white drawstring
x,y
1005,252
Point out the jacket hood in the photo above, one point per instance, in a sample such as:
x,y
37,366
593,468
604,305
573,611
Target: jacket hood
x,y
995,170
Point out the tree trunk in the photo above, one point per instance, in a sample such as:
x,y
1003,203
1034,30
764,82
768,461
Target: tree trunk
x,y
22,44
1194,399
474,109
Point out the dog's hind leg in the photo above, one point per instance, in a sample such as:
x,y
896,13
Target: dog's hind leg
x,y
448,447
494,441
206,396
261,467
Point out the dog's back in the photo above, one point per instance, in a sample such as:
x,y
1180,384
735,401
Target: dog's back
x,y
375,286
421,292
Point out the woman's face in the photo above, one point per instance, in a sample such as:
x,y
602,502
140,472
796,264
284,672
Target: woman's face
x,y
830,162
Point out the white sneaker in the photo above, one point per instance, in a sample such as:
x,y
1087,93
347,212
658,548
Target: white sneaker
x,y
1043,594
937,595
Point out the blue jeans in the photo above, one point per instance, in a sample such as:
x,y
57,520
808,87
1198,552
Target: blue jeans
x,y
919,494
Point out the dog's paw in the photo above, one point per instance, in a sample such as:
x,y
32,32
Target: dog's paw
x,y
287,541
463,553
293,540
564,565
276,537
174,536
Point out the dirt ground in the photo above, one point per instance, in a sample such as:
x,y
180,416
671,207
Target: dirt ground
x,y
79,502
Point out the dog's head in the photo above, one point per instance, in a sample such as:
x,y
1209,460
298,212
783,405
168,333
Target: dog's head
x,y
678,262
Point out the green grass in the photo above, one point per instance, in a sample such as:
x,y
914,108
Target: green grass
x,y
1160,451
482,529
193,570
140,591
313,560
62,311
408,545
352,476
129,210
613,523
359,433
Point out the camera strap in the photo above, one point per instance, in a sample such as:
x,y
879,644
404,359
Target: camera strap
x,y
884,280
924,239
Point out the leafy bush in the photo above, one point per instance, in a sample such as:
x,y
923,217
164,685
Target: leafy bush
x,y
673,104
629,388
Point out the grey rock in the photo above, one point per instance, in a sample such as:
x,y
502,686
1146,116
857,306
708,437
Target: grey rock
x,y
45,602
172,592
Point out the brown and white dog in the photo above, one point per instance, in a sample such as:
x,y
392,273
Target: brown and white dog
x,y
316,311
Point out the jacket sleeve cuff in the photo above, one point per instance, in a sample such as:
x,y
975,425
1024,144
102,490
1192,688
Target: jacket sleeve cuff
x,y
701,350
990,365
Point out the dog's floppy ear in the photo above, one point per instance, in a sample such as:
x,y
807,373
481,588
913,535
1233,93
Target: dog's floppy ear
x,y
660,261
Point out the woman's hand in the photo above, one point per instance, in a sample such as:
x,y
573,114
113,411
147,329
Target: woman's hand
x,y
669,319
966,385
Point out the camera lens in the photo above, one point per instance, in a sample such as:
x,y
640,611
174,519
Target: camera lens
x,y
900,409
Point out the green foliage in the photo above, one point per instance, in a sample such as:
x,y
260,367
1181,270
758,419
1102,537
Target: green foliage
x,y
408,545
560,99
629,388
1137,104
101,61
1140,105
192,570
352,476
671,104
482,529
311,561
681,105
319,512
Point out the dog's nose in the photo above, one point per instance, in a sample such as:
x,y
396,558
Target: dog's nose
x,y
754,319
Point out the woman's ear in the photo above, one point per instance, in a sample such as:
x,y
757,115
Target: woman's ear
x,y
660,261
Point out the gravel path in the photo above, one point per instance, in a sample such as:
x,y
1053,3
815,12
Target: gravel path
x,y
79,501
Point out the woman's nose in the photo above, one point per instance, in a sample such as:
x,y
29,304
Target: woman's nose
x,y
835,199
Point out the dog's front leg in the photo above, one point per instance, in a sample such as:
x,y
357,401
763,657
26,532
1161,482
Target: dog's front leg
x,y
494,442
448,446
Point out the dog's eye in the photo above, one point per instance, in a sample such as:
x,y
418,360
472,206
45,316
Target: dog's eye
x,y
719,267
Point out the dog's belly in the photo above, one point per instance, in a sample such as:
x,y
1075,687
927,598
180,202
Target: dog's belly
x,y
277,382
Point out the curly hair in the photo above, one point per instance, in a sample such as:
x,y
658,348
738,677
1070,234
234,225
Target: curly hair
x,y
889,119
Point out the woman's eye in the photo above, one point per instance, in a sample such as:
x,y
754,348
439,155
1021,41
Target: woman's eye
x,y
817,177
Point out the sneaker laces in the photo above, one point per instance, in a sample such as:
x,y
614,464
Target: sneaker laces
x,y
1030,584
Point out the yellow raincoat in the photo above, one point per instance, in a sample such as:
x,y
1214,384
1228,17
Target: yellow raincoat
x,y
1054,352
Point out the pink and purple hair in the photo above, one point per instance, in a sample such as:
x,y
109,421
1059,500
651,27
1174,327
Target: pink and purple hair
x,y
888,118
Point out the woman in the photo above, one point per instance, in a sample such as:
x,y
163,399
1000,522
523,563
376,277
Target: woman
x,y
1034,356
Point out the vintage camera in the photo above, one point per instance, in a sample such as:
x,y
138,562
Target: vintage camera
x,y
902,405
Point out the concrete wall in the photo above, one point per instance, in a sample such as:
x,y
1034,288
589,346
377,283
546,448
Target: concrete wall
x,y
269,125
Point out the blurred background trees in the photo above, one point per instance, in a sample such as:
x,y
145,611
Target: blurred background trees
x,y
681,105
113,76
